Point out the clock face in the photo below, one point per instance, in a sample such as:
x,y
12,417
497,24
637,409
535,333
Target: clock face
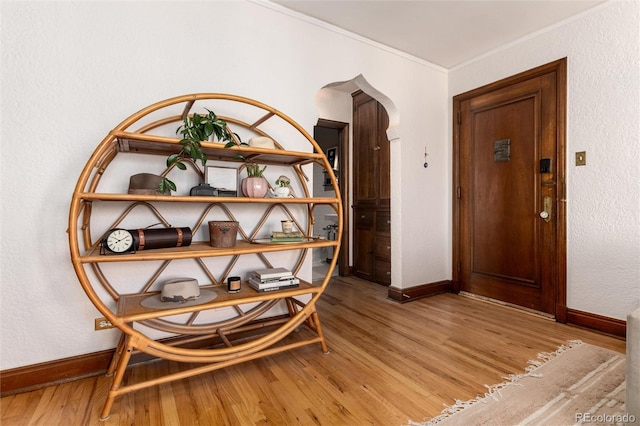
x,y
119,241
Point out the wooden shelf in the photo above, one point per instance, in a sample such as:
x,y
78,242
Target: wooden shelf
x,y
161,145
130,308
199,250
103,196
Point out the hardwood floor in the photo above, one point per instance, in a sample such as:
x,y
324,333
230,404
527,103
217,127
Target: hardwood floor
x,y
388,363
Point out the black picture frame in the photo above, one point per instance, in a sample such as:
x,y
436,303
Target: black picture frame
x,y
332,157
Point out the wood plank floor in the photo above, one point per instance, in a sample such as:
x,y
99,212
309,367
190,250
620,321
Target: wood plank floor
x,y
388,364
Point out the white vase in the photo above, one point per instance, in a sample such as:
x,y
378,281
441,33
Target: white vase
x,y
281,192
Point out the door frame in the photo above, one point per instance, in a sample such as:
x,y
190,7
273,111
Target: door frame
x,y
560,68
344,268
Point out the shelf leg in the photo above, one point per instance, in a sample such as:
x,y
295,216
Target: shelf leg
x,y
116,355
318,328
291,307
117,380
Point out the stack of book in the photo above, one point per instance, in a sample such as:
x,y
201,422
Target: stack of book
x,y
272,279
287,237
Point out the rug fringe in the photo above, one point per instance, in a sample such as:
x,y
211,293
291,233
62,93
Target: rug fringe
x,y
493,391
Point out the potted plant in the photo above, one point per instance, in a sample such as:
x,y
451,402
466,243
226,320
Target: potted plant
x,y
254,185
283,187
195,129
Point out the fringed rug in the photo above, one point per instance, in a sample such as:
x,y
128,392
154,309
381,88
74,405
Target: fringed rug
x,y
578,383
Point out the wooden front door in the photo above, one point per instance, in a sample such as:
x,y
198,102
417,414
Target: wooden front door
x,y
509,176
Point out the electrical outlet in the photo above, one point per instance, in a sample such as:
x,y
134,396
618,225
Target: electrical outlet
x,y
102,324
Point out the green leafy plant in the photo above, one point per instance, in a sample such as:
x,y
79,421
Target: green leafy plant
x,y
283,181
195,129
254,170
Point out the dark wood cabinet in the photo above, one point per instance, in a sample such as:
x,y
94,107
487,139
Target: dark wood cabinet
x,y
364,239
371,191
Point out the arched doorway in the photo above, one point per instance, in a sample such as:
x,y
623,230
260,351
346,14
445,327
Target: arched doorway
x,y
335,106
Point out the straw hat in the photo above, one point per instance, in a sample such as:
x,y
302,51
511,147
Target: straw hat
x,y
261,142
178,293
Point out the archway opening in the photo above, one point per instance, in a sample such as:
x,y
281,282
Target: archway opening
x,y
334,104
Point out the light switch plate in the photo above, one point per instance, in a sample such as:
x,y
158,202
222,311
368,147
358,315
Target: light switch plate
x,y
581,158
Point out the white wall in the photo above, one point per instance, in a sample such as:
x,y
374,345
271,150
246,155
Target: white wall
x,y
71,71
603,198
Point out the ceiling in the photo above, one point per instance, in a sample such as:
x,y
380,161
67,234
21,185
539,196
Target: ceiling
x,y
445,32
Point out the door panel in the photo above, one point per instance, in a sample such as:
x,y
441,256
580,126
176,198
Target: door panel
x,y
365,126
364,243
504,202
383,272
503,248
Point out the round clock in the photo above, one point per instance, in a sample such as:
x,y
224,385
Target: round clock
x,y
119,241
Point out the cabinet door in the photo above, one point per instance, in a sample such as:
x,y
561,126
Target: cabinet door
x,y
365,139
383,259
364,244
382,272
383,248
383,222
372,190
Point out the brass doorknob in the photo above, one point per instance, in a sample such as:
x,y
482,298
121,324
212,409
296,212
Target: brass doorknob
x,y
545,214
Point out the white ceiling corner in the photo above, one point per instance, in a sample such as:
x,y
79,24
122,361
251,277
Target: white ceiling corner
x,y
443,32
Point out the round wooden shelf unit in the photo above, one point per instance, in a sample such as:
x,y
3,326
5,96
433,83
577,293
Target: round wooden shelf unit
x,y
149,132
